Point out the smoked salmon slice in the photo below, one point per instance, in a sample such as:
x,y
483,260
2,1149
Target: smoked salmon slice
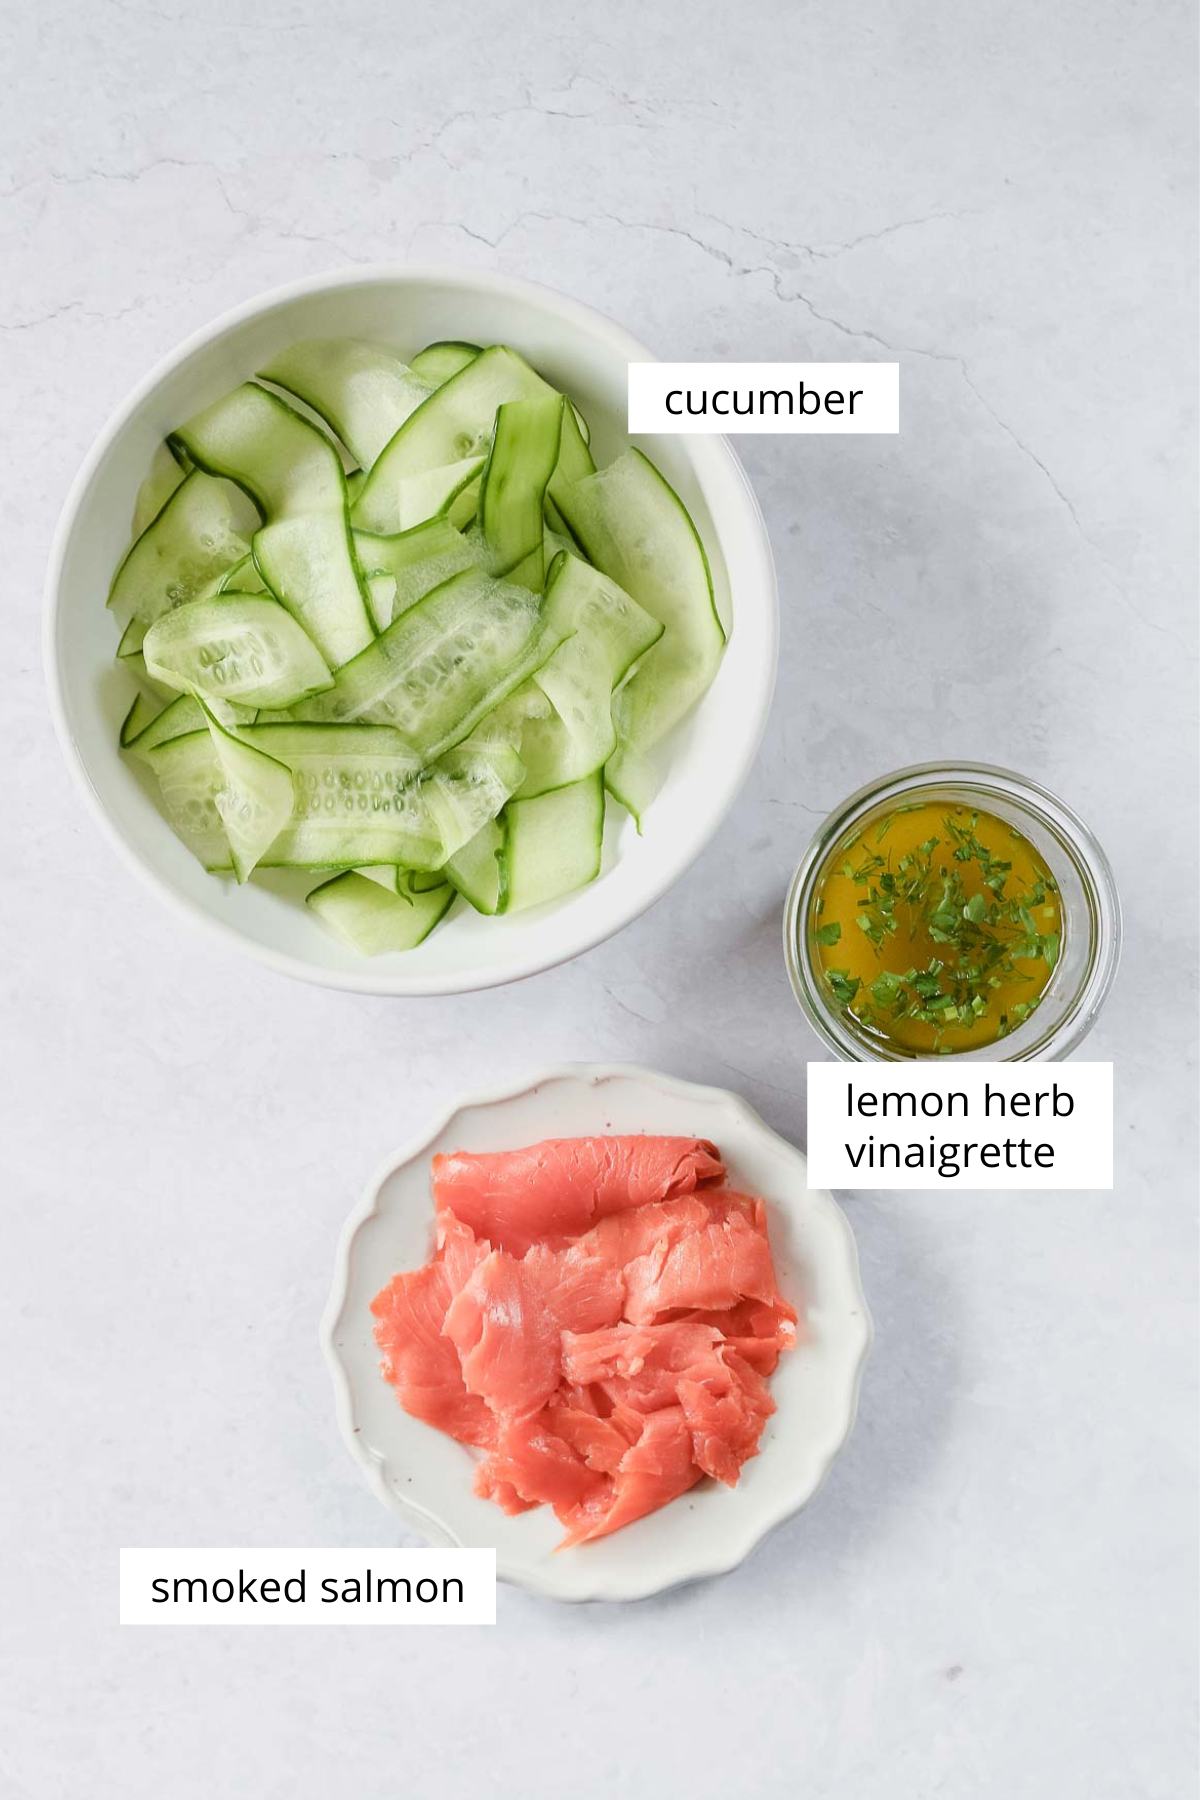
x,y
599,1317
518,1198
538,1464
623,1235
507,1342
458,1250
714,1267
758,1333
655,1470
600,1442
725,1411
421,1362
583,1288
627,1351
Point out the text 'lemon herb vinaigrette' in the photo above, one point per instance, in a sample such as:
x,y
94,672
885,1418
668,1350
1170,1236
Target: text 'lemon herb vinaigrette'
x,y
936,927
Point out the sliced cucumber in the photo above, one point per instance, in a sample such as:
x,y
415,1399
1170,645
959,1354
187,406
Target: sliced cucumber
x,y
555,541
466,794
362,391
132,639
574,464
135,663
405,882
607,633
389,695
508,720
308,564
436,363
419,881
455,423
451,492
182,716
443,664
417,561
394,879
465,789
512,490
129,655
372,920
635,528
479,871
469,785
357,799
554,843
190,778
574,458
256,798
187,545
293,474
139,719
242,577
160,483
381,592
237,647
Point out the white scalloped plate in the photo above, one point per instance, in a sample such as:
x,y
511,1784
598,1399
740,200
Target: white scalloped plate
x,y
426,1476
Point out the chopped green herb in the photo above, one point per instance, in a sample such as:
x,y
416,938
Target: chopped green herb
x,y
945,908
843,988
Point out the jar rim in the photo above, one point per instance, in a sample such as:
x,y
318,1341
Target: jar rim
x,y
980,782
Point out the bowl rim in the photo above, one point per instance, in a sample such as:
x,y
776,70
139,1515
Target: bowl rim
x,y
714,451
425,1520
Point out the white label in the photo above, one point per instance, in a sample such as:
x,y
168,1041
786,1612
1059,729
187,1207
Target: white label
x,y
764,397
308,1587
965,1125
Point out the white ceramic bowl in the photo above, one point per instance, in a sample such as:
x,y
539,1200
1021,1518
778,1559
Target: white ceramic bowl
x,y
706,759
426,1476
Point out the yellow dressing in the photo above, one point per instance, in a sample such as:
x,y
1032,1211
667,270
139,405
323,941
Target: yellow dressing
x,y
936,927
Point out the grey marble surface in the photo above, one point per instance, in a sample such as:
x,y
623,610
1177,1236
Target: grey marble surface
x,y
993,1596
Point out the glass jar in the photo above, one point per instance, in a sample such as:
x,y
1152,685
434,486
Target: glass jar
x,y
1091,911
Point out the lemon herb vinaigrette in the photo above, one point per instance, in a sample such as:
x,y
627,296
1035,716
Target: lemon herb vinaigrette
x,y
935,927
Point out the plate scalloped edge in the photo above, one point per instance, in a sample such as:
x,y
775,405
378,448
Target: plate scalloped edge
x,y
727,1552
